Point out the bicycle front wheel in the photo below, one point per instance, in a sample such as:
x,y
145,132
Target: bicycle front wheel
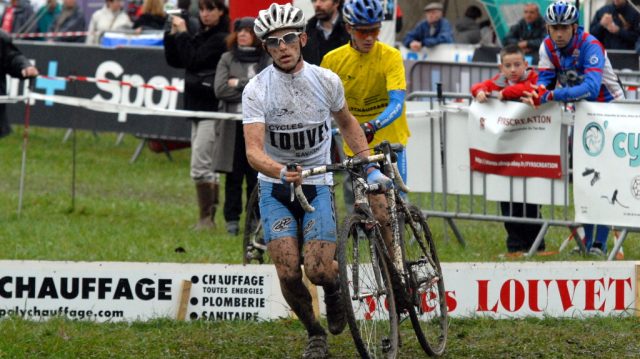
x,y
254,250
366,290
428,309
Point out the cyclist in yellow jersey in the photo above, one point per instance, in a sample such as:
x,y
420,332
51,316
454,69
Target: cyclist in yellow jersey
x,y
373,76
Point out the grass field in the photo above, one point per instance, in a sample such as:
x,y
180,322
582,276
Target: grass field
x,y
143,211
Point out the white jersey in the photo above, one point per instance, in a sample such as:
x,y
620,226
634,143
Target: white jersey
x,y
296,110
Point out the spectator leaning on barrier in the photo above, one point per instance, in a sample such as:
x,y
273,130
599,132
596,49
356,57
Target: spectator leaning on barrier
x,y
515,78
110,17
199,56
467,29
17,16
245,59
325,30
616,25
430,32
71,18
14,64
528,32
573,66
152,16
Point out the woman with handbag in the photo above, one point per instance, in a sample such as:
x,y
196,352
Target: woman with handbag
x,y
245,59
199,56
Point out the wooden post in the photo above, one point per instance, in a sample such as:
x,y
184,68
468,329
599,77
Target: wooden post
x,y
185,295
313,290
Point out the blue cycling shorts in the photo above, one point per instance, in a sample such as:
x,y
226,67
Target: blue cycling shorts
x,y
283,218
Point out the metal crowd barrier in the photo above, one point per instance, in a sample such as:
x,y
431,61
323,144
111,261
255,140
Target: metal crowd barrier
x,y
458,77
450,206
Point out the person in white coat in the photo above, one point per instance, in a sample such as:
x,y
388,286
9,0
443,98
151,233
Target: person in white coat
x,y
110,17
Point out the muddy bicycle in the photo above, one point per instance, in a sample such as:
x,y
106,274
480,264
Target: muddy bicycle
x,y
384,284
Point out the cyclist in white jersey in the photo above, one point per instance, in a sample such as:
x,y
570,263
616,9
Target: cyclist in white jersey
x,y
287,111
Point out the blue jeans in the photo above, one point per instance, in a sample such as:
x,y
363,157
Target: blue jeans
x,y
602,232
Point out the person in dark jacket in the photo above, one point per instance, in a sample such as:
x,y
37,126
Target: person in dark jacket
x,y
467,29
71,18
17,17
199,56
432,31
616,25
528,32
152,16
325,31
14,64
245,59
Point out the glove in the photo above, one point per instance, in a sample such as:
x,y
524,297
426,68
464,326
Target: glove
x,y
545,96
376,177
369,131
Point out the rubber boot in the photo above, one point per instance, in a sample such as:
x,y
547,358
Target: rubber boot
x,y
207,204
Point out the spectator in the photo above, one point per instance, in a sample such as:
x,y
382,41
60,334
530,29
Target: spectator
x,y
70,18
110,17
514,78
325,31
528,32
152,16
616,25
199,56
17,16
46,15
14,64
430,32
587,77
467,30
245,59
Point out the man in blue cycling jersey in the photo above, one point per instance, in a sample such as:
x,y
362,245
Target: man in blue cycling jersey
x,y
574,66
287,111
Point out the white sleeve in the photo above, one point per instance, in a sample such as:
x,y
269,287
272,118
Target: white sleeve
x,y
253,103
337,100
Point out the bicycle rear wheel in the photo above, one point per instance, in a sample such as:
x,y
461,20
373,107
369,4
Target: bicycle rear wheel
x,y
366,290
428,309
254,250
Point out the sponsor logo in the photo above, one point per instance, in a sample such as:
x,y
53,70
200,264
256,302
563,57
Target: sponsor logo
x,y
593,139
635,187
281,224
593,60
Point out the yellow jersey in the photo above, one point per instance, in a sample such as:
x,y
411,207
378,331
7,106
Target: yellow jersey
x,y
367,80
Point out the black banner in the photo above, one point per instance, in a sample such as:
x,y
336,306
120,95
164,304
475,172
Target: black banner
x,y
131,64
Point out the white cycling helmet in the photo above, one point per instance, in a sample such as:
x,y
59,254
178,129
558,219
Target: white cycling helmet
x,y
561,13
278,17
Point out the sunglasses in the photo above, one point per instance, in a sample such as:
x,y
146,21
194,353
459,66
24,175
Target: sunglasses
x,y
288,39
364,33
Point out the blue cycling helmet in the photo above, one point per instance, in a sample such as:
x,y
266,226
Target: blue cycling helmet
x,y
561,13
362,12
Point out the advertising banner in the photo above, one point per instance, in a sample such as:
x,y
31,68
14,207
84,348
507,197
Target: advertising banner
x,y
430,144
121,291
512,139
132,64
606,164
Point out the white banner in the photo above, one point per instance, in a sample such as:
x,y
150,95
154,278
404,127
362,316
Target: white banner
x,y
606,164
112,291
512,139
424,160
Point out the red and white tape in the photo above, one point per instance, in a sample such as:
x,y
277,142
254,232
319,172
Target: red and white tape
x,y
30,35
72,78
